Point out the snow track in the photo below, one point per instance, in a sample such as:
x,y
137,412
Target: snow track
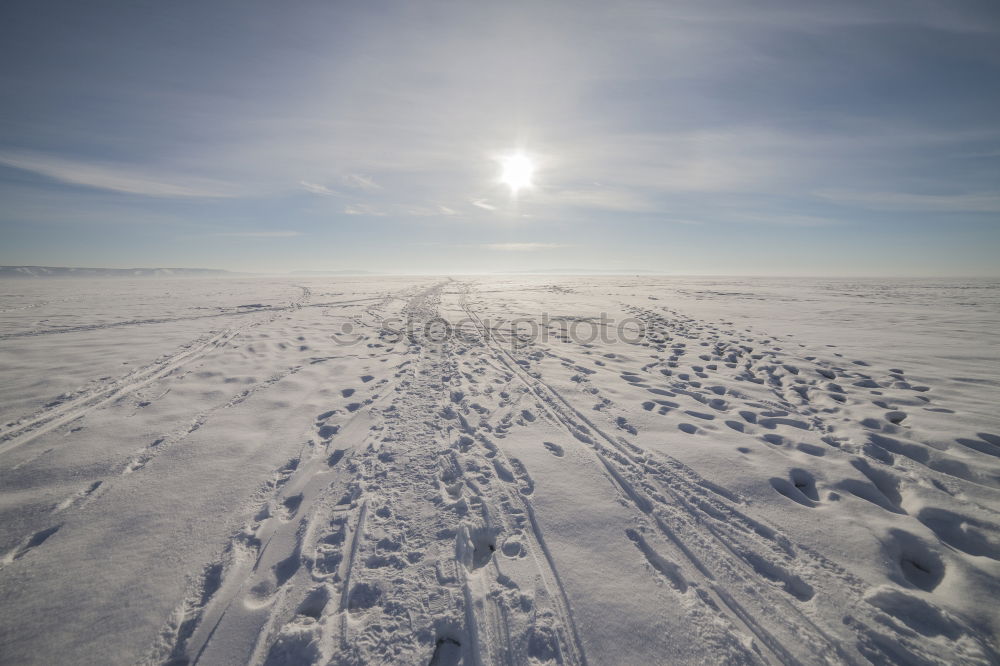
x,y
70,408
705,492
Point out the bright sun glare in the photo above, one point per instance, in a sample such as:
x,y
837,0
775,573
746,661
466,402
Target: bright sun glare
x,y
517,172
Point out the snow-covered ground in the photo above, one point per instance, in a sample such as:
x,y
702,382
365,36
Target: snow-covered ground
x,y
666,471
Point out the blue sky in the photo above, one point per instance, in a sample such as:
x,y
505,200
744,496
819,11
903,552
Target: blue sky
x,y
798,138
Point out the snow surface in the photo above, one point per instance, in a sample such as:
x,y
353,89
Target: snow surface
x,y
230,471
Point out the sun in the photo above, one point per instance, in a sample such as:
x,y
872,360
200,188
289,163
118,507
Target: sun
x,y
517,171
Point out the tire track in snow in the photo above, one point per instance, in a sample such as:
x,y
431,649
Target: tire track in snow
x,y
580,428
428,546
141,458
52,417
243,595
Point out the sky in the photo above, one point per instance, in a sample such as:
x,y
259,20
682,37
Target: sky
x,y
681,137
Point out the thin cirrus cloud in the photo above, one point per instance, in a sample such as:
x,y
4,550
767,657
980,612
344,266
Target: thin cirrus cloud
x,y
360,182
977,202
522,247
258,234
122,179
364,210
398,210
316,188
351,181
659,130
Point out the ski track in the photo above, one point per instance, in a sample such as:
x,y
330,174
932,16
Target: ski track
x,y
403,530
70,408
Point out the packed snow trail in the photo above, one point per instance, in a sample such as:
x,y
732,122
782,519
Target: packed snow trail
x,y
408,475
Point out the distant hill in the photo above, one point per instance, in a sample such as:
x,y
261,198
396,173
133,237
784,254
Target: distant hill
x,y
64,272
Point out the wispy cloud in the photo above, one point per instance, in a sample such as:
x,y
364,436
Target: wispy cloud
x,y
117,178
258,234
641,123
977,202
522,247
676,220
599,198
399,210
363,209
360,182
778,218
316,188
351,181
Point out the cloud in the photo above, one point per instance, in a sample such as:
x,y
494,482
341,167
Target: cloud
x,y
360,182
600,199
522,247
639,114
316,188
782,219
399,210
363,209
352,181
125,179
901,201
258,234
